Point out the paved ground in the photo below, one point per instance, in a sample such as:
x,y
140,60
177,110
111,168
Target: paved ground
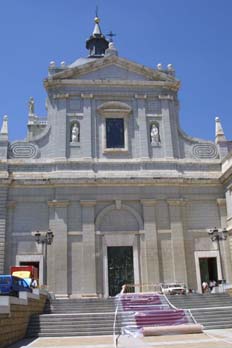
x,y
208,339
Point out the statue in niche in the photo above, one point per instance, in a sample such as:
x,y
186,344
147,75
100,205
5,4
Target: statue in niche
x,y
155,136
75,133
31,106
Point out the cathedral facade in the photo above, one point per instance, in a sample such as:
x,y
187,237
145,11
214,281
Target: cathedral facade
x,y
128,195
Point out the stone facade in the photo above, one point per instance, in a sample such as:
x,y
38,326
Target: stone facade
x,y
157,195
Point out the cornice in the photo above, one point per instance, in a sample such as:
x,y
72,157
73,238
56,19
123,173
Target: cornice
x,y
171,85
88,203
48,172
51,161
107,94
112,181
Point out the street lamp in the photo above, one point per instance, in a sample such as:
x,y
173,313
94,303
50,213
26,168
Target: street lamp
x,y
44,238
217,235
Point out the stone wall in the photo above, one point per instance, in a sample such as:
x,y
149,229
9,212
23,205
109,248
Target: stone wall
x,y
15,314
3,199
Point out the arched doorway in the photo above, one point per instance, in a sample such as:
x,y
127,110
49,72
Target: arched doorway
x,y
118,229
120,268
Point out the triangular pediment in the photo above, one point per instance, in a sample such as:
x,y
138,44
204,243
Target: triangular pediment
x,y
112,72
112,68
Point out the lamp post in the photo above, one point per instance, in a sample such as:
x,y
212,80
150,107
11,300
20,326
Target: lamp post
x,y
217,235
44,238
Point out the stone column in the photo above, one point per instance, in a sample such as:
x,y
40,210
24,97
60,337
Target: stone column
x,y
3,200
176,208
142,122
57,253
151,242
86,127
89,250
225,244
168,143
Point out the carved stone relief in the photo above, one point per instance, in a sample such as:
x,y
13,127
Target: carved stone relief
x,y
21,149
204,151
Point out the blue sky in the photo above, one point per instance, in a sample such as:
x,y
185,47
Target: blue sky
x,y
195,36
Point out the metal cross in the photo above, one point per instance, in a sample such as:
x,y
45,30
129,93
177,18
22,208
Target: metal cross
x,y
111,35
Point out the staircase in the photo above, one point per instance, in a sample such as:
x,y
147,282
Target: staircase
x,y
213,311
74,317
93,317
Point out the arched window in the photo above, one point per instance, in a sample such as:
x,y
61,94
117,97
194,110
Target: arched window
x,y
115,126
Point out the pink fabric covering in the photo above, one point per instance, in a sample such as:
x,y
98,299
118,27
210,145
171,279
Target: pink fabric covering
x,y
152,310
161,317
134,302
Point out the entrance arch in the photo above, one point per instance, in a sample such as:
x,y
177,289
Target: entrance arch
x,y
118,206
117,225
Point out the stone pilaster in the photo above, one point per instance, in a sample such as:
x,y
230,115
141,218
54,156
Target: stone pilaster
x,y
57,253
89,250
176,209
229,208
4,138
86,128
168,145
225,244
9,228
3,199
59,129
150,243
142,122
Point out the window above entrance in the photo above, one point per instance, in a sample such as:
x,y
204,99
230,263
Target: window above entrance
x,y
114,126
115,133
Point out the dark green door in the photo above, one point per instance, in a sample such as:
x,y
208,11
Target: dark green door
x,y
120,268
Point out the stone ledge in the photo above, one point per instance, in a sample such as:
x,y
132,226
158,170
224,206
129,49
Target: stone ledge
x,y
15,314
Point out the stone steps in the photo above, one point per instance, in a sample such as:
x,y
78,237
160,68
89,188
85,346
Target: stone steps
x,y
201,301
81,306
90,317
213,311
74,333
85,317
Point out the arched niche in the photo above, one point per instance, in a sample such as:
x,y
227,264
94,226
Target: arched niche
x,y
118,219
74,132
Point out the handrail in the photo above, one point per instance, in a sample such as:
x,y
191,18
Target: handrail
x,y
115,317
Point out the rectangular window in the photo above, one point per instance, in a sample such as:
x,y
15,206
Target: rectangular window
x,y
115,133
